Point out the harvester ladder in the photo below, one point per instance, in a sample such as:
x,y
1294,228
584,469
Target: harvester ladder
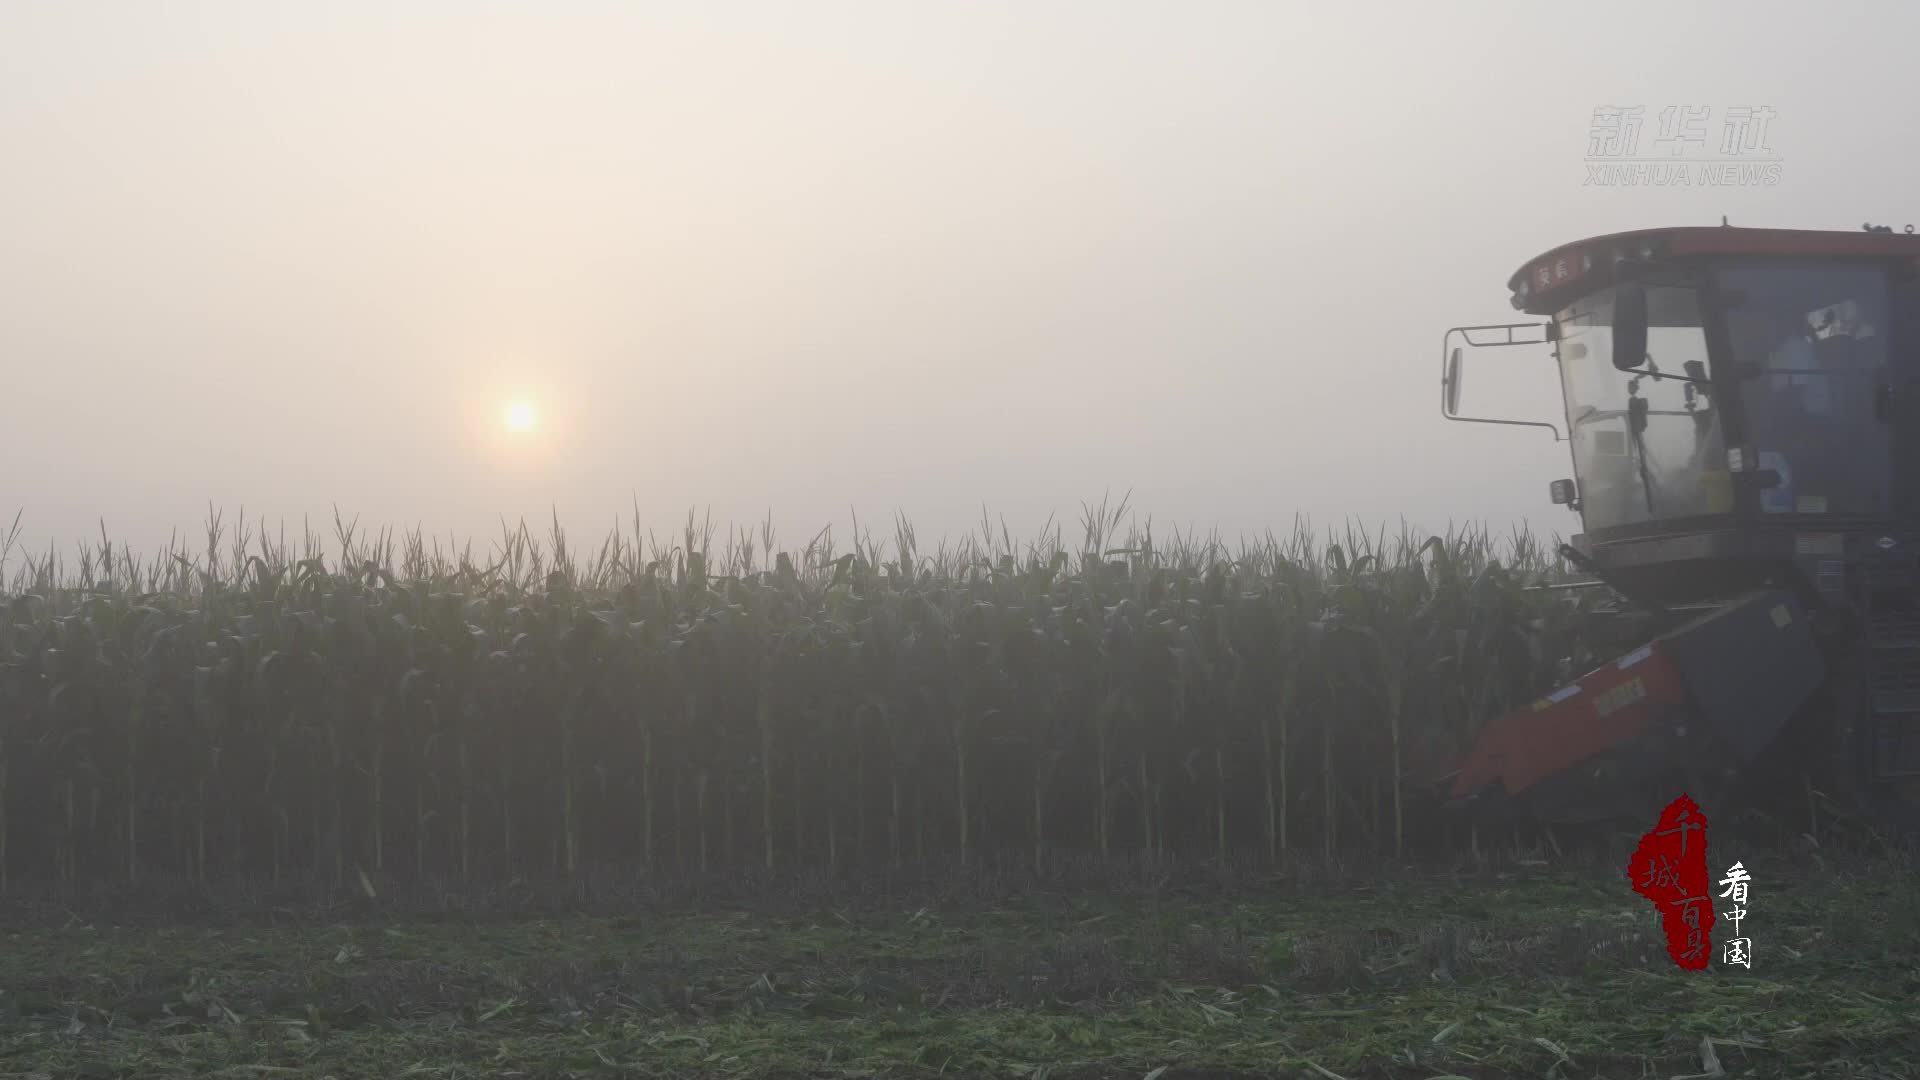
x,y
1893,687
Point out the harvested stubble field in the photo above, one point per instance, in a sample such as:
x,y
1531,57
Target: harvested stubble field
x,y
1514,970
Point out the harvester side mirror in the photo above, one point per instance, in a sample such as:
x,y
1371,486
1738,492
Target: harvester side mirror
x,y
1629,327
1452,389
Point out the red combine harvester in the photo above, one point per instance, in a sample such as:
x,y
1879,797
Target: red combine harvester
x,y
1743,413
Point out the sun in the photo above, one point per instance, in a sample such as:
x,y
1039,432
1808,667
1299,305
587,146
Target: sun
x,y
520,416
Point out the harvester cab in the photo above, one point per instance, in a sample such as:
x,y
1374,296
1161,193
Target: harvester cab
x,y
1742,411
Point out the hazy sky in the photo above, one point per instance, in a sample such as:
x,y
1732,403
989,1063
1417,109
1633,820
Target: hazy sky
x,y
803,258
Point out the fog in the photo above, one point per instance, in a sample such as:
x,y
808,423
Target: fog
x,y
832,259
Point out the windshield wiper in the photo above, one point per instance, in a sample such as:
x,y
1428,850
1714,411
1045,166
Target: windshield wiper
x,y
1696,373
1637,433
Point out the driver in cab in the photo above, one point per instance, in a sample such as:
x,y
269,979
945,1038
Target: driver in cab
x,y
1792,357
1798,412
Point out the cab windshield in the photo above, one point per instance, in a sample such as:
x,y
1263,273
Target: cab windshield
x,y
1647,446
1811,346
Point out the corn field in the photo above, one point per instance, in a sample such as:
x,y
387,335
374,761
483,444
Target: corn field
x,y
269,709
